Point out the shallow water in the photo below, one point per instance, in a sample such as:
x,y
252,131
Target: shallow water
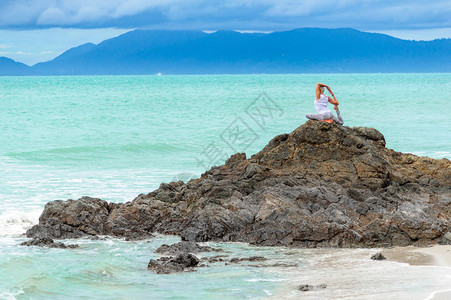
x,y
114,137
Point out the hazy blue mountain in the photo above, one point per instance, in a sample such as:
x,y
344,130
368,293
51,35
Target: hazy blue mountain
x,y
64,64
303,50
11,67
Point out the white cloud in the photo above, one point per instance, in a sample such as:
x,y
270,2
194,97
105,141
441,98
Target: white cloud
x,y
132,7
230,14
16,53
299,8
21,11
68,12
52,15
24,53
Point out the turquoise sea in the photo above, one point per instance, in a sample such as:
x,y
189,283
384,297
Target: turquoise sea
x,y
114,137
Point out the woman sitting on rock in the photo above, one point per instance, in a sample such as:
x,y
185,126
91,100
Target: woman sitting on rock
x,y
324,114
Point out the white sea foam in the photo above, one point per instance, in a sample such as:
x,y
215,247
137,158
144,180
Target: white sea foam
x,y
265,280
435,154
7,296
16,222
445,293
351,274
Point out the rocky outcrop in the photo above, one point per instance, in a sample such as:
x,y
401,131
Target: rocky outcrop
x,y
183,247
322,185
236,260
73,219
48,242
378,256
446,239
166,265
308,287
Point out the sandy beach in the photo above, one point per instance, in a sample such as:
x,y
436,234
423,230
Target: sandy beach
x,y
438,255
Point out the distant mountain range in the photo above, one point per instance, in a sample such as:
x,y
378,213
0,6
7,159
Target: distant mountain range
x,y
305,50
11,67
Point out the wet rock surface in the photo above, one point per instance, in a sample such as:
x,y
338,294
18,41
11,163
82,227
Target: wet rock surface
x,y
48,242
215,259
184,247
378,256
322,185
308,287
446,239
167,265
236,260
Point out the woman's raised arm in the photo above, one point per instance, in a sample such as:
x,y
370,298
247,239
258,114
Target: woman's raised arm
x,y
318,89
333,101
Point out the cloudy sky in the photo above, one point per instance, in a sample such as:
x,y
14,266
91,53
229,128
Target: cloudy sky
x,y
38,30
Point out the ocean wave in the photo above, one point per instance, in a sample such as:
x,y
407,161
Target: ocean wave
x,y
441,294
16,222
9,296
266,279
434,154
88,152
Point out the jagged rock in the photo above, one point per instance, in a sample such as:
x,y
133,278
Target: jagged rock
x,y
179,263
446,239
275,265
307,287
214,259
97,238
183,246
136,236
47,242
236,260
378,256
72,219
322,185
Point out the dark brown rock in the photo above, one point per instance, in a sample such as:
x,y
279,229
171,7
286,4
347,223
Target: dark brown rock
x,y
72,219
322,185
305,287
308,287
183,247
179,263
446,239
236,260
48,242
378,256
216,258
